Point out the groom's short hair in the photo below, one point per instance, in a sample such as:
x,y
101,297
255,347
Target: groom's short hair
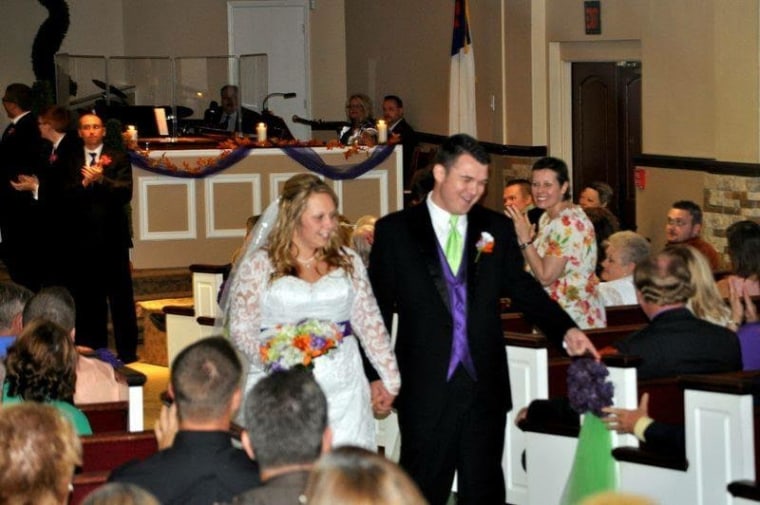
x,y
457,145
286,417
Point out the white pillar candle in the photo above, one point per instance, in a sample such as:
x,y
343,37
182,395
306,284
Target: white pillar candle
x,y
382,132
132,131
261,133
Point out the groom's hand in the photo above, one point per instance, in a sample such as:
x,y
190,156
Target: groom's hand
x,y
382,400
577,343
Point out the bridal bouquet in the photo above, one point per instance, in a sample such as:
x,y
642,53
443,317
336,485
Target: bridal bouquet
x,y
290,345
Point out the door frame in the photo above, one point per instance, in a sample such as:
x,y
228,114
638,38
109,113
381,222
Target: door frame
x,y
561,55
305,5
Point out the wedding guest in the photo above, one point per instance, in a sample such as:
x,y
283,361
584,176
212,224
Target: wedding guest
x,y
517,193
562,254
102,240
286,431
39,452
95,379
624,250
118,493
21,153
596,194
705,302
201,466
743,245
684,226
13,298
400,130
351,475
41,367
362,129
676,341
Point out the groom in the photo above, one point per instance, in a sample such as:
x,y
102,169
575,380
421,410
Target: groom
x,y
443,266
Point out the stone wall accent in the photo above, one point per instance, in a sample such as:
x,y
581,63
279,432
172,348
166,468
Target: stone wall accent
x,y
728,199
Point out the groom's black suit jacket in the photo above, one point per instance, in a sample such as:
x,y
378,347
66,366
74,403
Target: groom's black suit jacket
x,y
407,278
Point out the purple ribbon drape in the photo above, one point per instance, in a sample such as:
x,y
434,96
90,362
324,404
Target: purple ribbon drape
x,y
305,156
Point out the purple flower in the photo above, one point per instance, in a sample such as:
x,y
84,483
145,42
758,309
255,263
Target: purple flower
x,y
587,389
318,342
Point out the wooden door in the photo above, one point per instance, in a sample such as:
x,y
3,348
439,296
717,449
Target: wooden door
x,y
607,130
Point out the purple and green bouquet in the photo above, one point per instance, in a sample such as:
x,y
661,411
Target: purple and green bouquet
x,y
290,345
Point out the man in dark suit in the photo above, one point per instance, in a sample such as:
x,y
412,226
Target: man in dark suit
x,y
104,277
198,464
455,384
286,431
53,189
20,153
226,117
675,342
393,113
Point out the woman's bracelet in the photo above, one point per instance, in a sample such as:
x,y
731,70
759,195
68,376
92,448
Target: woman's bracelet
x,y
522,246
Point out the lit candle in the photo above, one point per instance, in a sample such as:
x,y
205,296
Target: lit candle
x,y
261,133
132,131
382,132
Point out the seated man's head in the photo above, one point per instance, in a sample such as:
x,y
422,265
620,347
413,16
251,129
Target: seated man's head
x,y
596,194
517,193
205,384
39,451
286,420
623,251
662,281
55,304
13,298
684,222
229,98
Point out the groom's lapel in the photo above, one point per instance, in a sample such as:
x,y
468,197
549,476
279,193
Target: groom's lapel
x,y
475,226
422,228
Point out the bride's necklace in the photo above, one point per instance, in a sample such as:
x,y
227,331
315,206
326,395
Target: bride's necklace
x,y
308,261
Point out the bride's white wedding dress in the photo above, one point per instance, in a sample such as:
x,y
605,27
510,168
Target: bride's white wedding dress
x,y
256,304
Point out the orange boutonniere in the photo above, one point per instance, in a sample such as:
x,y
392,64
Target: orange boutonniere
x,y
484,245
105,160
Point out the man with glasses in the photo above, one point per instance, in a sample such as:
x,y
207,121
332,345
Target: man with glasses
x,y
20,153
684,225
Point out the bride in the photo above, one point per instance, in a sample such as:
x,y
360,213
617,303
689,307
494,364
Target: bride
x,y
294,269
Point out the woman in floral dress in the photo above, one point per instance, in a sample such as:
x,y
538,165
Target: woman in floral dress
x,y
562,254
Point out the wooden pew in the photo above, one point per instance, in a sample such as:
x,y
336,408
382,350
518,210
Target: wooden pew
x,y
119,416
720,446
103,452
86,483
109,450
616,316
106,417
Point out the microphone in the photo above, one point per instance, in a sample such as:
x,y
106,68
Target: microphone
x,y
213,107
287,95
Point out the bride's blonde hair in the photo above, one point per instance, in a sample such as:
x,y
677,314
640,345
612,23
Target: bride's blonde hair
x,y
295,195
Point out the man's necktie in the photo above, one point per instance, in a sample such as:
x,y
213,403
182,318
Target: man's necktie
x,y
92,158
454,245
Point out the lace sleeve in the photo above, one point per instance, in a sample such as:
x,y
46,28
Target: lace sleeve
x,y
245,305
367,324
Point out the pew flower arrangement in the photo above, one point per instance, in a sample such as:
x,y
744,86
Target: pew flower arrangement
x,y
290,345
593,468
